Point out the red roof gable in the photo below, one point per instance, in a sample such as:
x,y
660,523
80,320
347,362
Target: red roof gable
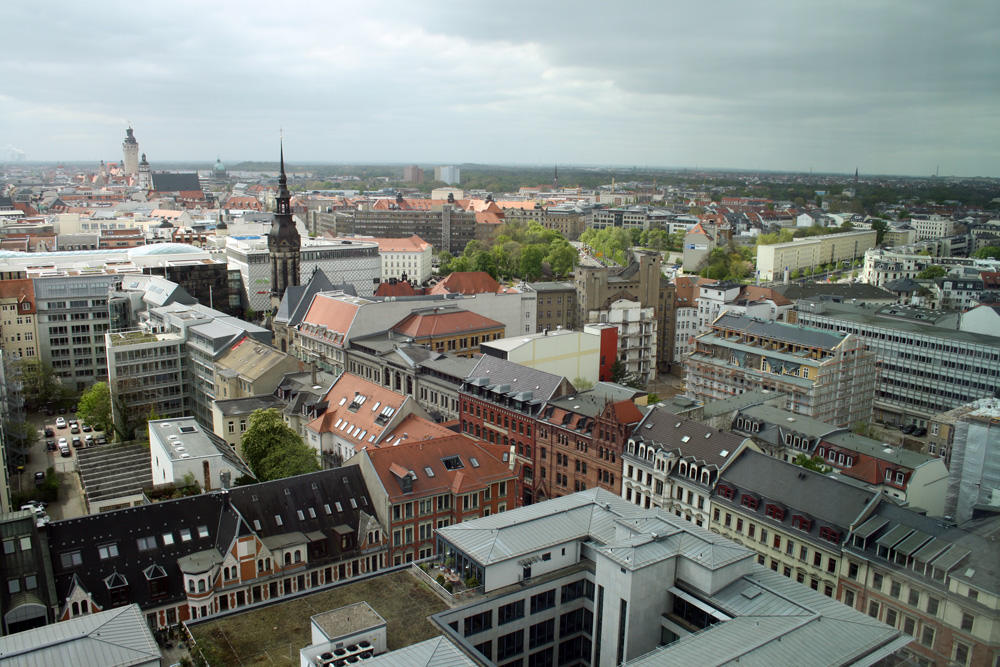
x,y
423,324
467,282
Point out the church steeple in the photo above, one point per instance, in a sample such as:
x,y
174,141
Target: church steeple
x,y
283,240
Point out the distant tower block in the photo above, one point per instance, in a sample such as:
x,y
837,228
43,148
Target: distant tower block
x,y
145,177
130,149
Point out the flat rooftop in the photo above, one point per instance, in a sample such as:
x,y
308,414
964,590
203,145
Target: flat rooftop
x,y
347,620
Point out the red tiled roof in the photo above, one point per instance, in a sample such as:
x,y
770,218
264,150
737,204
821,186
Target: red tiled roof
x,y
415,456
467,282
430,324
412,244
687,289
21,289
489,218
400,288
626,412
336,314
765,294
356,423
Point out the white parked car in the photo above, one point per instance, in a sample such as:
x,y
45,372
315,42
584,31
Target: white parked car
x,y
63,442
60,422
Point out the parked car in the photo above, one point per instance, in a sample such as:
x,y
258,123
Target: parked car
x,y
65,451
101,440
86,428
72,408
50,411
39,478
73,422
63,441
74,429
49,432
62,411
34,507
920,432
88,440
60,422
909,428
50,445
77,442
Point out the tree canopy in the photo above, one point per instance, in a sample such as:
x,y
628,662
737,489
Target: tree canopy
x,y
273,450
931,272
812,463
728,263
521,250
989,252
94,407
880,227
40,383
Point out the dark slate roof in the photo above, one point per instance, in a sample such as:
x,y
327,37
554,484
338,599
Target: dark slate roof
x,y
903,285
243,406
226,515
166,182
827,500
123,528
297,298
704,444
519,382
859,291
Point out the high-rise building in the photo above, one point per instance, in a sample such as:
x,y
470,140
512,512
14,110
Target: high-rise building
x,y
130,151
413,174
283,242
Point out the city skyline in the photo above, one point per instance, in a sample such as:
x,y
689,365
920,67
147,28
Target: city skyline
x,y
892,88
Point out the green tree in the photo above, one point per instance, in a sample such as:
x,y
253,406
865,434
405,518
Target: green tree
x,y
273,450
40,384
532,257
582,384
989,252
562,257
812,463
94,407
931,272
618,372
881,227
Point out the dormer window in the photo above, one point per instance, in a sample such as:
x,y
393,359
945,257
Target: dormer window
x,y
726,492
775,512
829,534
800,522
749,502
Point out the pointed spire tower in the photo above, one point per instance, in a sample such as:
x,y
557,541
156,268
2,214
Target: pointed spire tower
x,y
283,241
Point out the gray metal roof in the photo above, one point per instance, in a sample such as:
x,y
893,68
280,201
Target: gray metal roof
x,y
779,622
543,386
117,637
879,450
791,421
436,652
738,402
231,407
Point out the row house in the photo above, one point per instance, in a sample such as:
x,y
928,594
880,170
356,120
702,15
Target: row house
x,y
207,554
432,378
500,403
797,520
909,477
674,463
422,486
580,439
936,582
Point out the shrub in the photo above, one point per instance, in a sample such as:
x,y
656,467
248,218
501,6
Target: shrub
x,y
440,580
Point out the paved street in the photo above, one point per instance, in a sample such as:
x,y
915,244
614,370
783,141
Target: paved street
x,y
70,503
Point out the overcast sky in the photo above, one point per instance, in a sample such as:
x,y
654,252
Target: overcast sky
x,y
899,87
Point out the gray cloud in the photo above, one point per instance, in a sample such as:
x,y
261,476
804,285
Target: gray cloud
x,y
890,86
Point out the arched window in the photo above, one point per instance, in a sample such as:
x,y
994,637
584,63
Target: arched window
x,y
298,556
288,558
201,585
84,607
260,565
693,472
76,609
267,563
190,585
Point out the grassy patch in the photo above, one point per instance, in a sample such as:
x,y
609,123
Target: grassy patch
x,y
273,635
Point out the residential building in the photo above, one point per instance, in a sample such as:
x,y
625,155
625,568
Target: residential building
x,y
687,320
214,552
674,463
445,224
413,174
432,378
797,520
762,303
591,578
181,449
355,413
637,336
500,403
19,319
580,440
568,219
911,478
932,227
556,305
450,175
810,252
115,637
928,363
231,416
29,595
295,304
641,282
936,582
974,471
699,242
301,393
420,486
251,368
572,354
826,375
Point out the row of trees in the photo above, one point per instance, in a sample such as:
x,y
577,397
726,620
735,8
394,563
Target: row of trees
x,y
520,250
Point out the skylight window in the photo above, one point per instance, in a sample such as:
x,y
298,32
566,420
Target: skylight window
x,y
298,513
168,539
326,508
339,507
146,543
354,503
312,513
452,463
107,551
277,520
686,438
474,462
256,524
202,531
185,534
430,473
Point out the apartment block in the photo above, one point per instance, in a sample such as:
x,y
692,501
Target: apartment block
x,y
810,252
827,376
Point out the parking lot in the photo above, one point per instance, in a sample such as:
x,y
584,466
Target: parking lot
x,y
42,457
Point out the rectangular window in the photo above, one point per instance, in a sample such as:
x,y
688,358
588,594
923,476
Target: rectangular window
x,y
927,636
967,621
543,601
479,622
510,612
541,633
510,645
107,551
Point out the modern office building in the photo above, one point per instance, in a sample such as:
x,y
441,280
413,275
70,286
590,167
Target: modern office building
x,y
828,376
928,362
592,579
